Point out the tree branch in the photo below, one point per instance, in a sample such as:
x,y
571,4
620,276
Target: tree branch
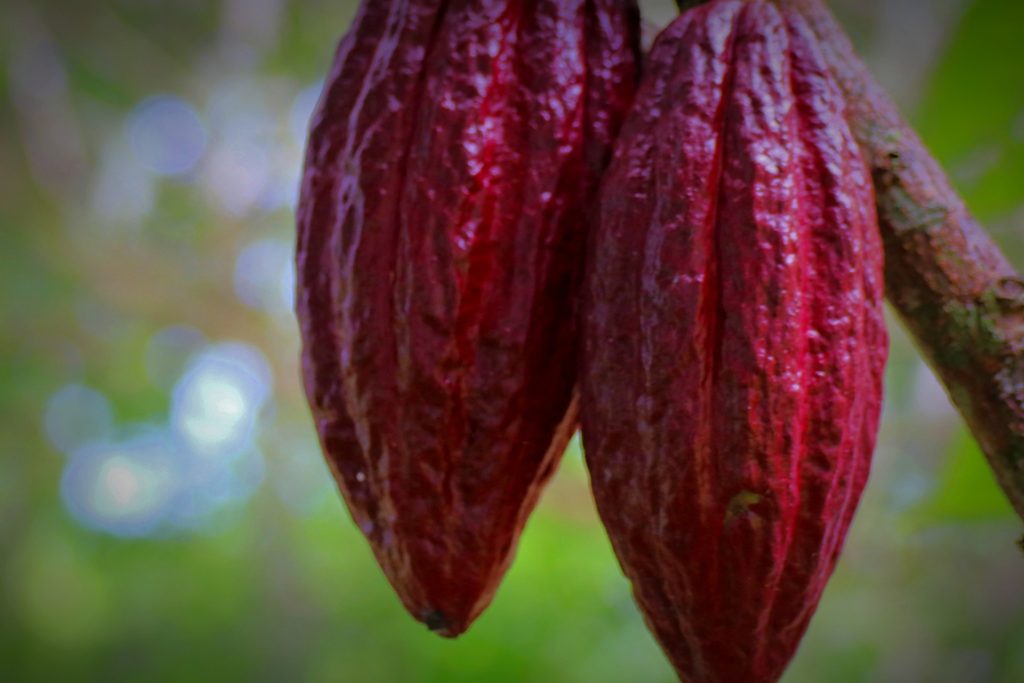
x,y
961,299
957,294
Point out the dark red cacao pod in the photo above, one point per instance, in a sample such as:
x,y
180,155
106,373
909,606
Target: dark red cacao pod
x,y
734,340
451,162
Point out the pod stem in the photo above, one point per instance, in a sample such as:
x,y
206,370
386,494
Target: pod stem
x,y
957,294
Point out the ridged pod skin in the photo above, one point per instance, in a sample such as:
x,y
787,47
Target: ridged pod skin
x,y
451,164
734,339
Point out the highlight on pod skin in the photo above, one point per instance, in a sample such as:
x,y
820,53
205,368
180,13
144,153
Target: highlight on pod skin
x,y
451,165
729,429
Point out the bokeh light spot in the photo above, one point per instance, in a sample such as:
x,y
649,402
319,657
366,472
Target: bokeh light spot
x,y
216,402
122,488
167,135
237,174
77,415
264,276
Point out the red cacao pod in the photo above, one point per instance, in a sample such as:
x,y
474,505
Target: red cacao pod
x,y
441,224
734,341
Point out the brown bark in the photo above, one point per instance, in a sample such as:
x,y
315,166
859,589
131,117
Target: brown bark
x,y
958,295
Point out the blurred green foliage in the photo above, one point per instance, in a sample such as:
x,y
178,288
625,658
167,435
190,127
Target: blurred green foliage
x,y
125,262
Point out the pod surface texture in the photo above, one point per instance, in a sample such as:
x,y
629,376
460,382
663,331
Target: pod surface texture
x,y
734,340
452,160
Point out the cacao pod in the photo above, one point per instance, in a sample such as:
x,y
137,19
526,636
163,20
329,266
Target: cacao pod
x,y
442,216
733,339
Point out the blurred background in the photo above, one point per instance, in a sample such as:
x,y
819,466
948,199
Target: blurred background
x,y
164,512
